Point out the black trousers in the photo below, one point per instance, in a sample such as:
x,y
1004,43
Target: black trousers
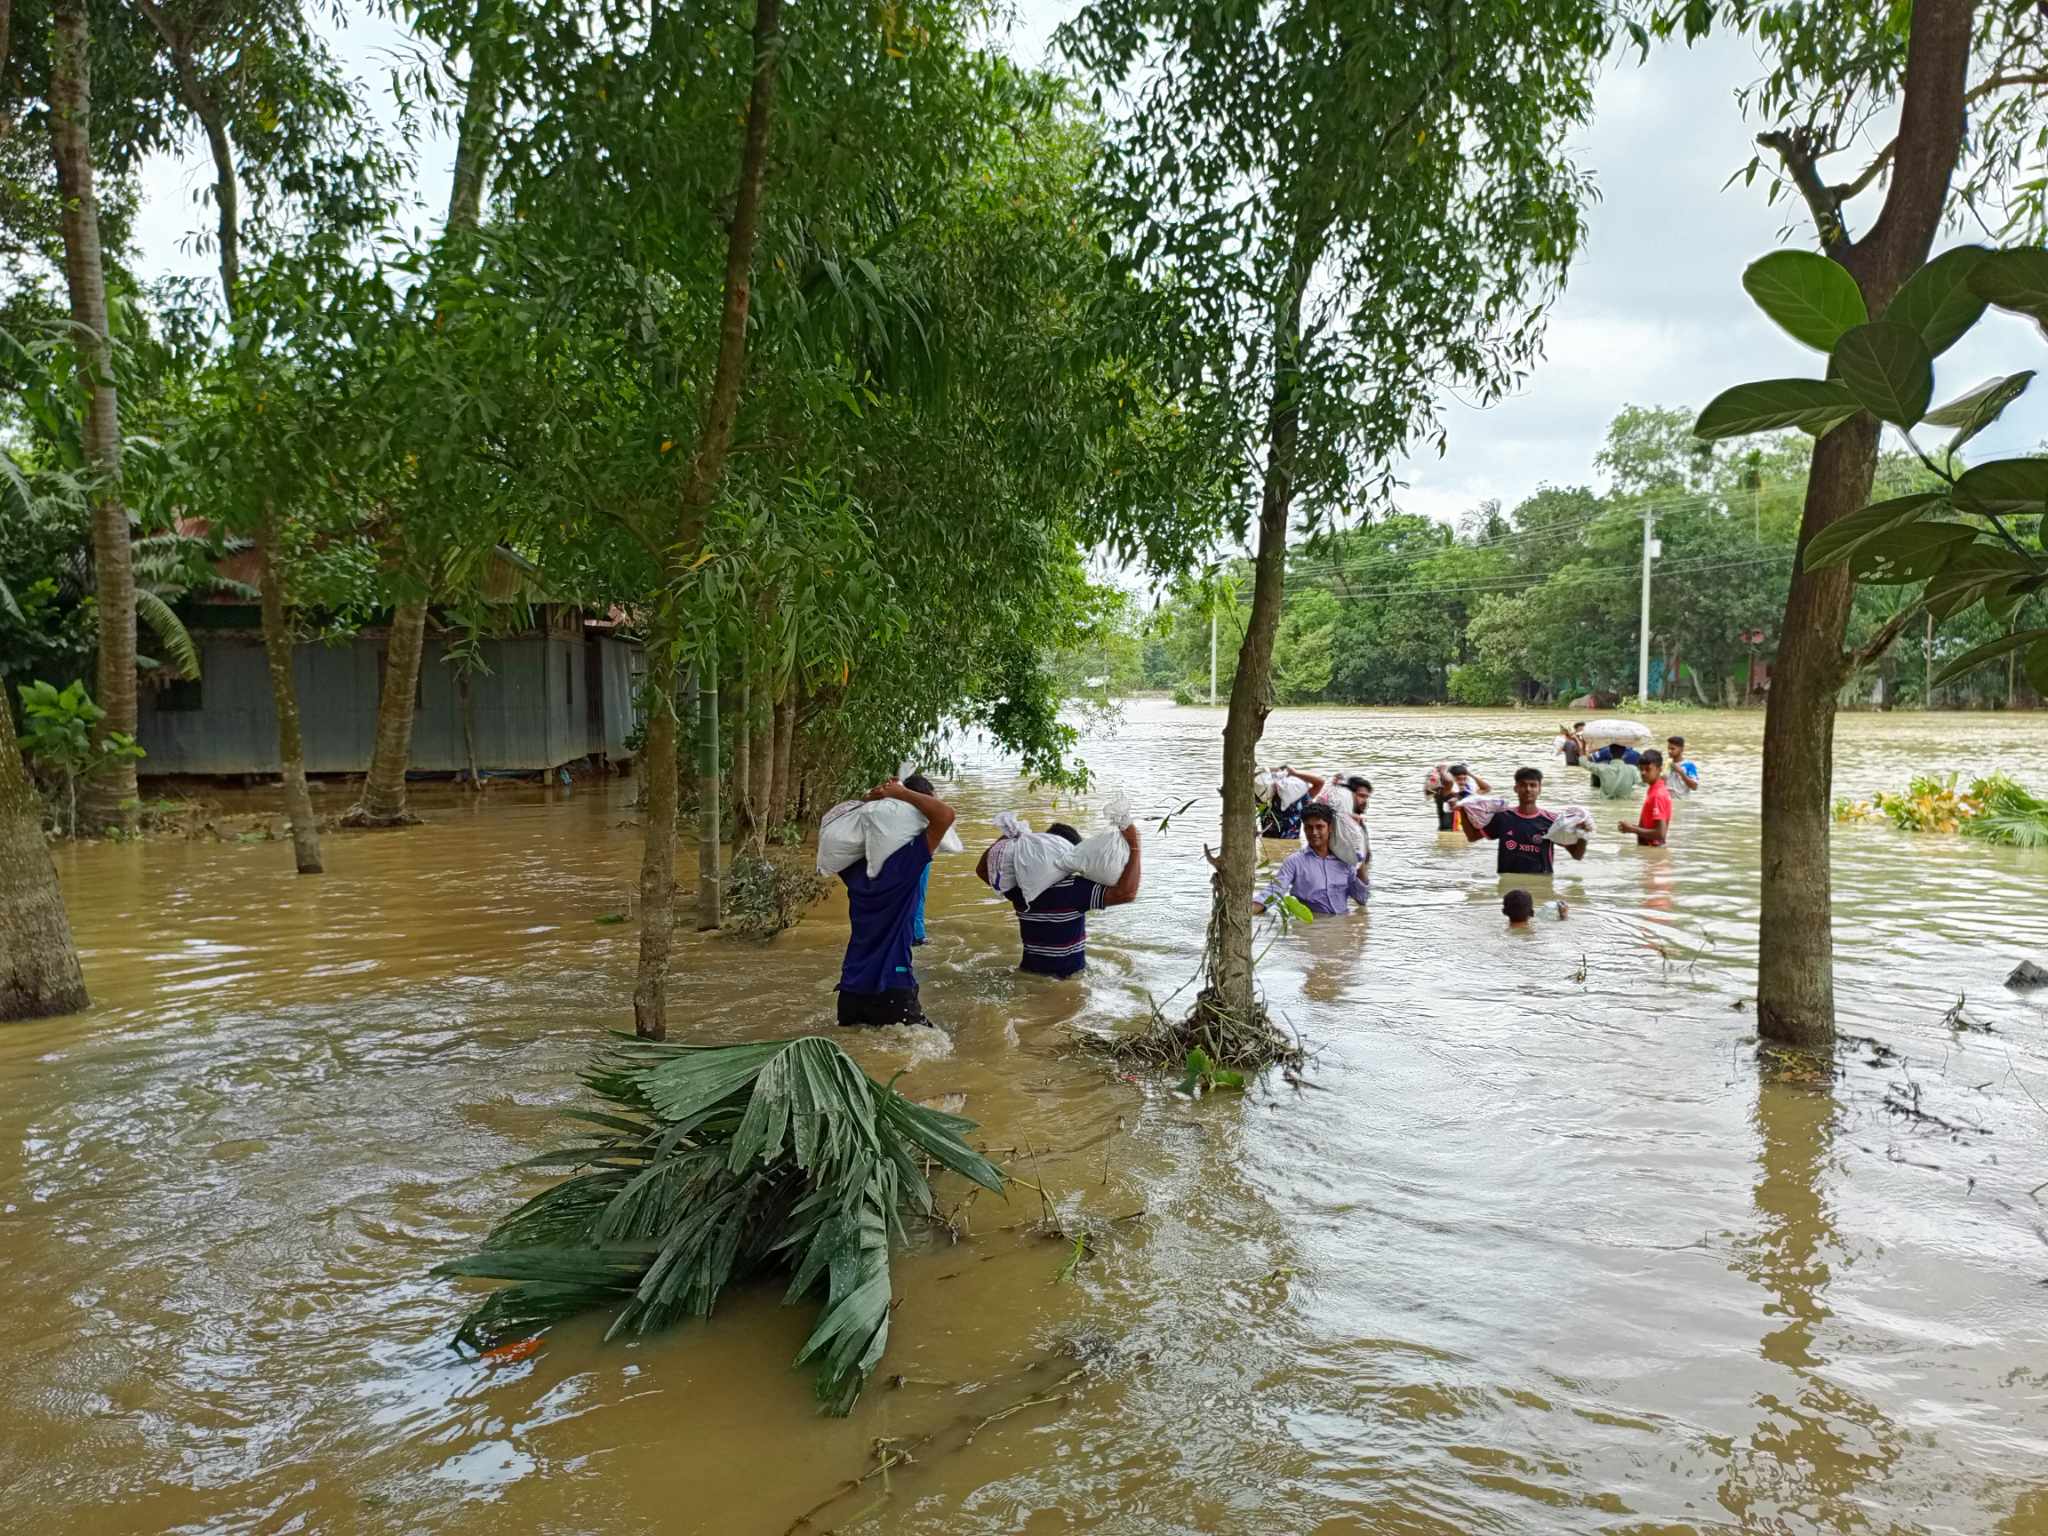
x,y
899,1005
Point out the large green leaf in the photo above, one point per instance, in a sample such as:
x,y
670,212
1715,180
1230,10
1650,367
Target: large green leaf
x,y
1815,405
1938,301
1839,540
1814,299
1972,413
1978,655
2036,665
1889,370
1911,553
1976,574
2016,280
2004,488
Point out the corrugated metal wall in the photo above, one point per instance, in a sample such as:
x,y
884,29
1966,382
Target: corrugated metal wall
x,y
531,709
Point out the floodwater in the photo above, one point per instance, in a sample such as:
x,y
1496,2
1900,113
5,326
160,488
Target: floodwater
x,y
1540,1249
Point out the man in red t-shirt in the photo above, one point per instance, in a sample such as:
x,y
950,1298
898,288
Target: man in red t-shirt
x,y
1652,826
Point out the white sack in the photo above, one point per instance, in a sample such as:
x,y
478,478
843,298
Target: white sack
x,y
1287,789
1010,826
1573,824
873,829
1040,860
1480,809
1607,733
1348,839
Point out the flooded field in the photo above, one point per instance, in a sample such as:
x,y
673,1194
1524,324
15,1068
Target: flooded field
x,y
1538,1251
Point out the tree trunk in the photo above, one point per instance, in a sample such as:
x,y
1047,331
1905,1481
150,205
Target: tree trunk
x,y
110,794
779,810
657,769
762,754
710,889
1251,693
383,801
465,705
39,972
284,696
1795,943
707,468
741,692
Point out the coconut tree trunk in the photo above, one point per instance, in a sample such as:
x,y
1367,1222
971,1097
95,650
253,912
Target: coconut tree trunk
x,y
710,888
383,800
1795,948
110,794
707,468
1251,691
657,769
39,973
762,753
779,809
741,692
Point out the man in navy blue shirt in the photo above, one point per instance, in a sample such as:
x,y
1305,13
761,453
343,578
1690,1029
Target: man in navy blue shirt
x,y
876,983
1054,928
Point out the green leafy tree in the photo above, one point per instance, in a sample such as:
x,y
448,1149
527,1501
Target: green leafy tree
x,y
1363,209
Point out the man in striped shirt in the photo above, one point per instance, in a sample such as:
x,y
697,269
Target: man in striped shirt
x,y
1054,928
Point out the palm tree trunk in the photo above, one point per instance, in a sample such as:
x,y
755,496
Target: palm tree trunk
x,y
657,769
383,800
1251,690
741,692
39,973
108,795
762,753
284,696
1795,941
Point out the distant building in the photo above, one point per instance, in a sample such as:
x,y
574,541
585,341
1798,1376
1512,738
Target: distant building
x,y
556,687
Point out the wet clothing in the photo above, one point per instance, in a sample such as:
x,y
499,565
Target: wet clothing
x,y
1054,928
1321,882
1569,746
1524,849
1676,777
1276,821
924,882
1447,807
881,910
877,1009
1618,754
1656,807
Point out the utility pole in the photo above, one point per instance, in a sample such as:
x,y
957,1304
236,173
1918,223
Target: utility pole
x,y
1651,549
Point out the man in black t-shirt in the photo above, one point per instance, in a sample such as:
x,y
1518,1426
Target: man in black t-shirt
x,y
1525,847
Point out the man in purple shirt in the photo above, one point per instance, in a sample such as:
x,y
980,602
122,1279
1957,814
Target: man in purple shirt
x,y
1315,877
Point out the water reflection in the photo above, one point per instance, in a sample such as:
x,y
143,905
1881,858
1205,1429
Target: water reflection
x,y
1820,1451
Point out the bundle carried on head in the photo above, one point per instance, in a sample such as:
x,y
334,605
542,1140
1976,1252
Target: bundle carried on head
x,y
1032,862
1615,733
872,829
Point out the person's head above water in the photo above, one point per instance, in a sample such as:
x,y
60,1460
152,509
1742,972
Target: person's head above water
x,y
1528,785
1361,791
1676,744
1061,829
1460,771
1651,764
1316,824
1518,906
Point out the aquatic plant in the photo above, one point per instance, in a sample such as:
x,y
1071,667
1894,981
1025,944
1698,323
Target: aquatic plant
x,y
2007,814
719,1164
1995,809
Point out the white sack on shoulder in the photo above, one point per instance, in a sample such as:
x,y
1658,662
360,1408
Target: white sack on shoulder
x,y
1011,826
873,829
1480,809
1101,858
1573,825
1038,861
1287,789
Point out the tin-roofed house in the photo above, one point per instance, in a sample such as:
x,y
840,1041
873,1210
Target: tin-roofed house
x,y
553,687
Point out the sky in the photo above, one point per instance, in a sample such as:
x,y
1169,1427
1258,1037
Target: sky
x,y
1653,312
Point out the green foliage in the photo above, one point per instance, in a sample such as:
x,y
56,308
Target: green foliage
x,y
715,1165
2007,814
1994,809
1813,299
763,896
1481,685
1204,1076
57,742
1976,558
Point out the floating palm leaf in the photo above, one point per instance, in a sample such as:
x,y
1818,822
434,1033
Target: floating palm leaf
x,y
725,1163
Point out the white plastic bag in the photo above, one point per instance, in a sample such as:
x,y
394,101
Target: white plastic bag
x,y
1573,824
1101,858
1480,809
1608,733
871,829
1038,861
1287,789
1010,826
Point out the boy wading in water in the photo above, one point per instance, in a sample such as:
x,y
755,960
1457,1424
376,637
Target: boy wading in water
x,y
1519,908
1054,928
876,983
1652,826
1523,833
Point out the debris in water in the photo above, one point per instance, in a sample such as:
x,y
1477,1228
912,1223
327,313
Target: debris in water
x,y
2026,976
1956,1019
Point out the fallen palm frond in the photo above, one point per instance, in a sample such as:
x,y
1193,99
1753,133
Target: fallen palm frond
x,y
722,1164
1994,809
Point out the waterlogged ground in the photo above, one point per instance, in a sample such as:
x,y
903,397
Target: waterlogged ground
x,y
1539,1251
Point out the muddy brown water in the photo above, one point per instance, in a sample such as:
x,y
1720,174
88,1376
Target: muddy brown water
x,y
1539,1252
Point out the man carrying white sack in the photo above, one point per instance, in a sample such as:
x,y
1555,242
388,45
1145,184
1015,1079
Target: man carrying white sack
x,y
1316,877
1524,833
1053,925
876,984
